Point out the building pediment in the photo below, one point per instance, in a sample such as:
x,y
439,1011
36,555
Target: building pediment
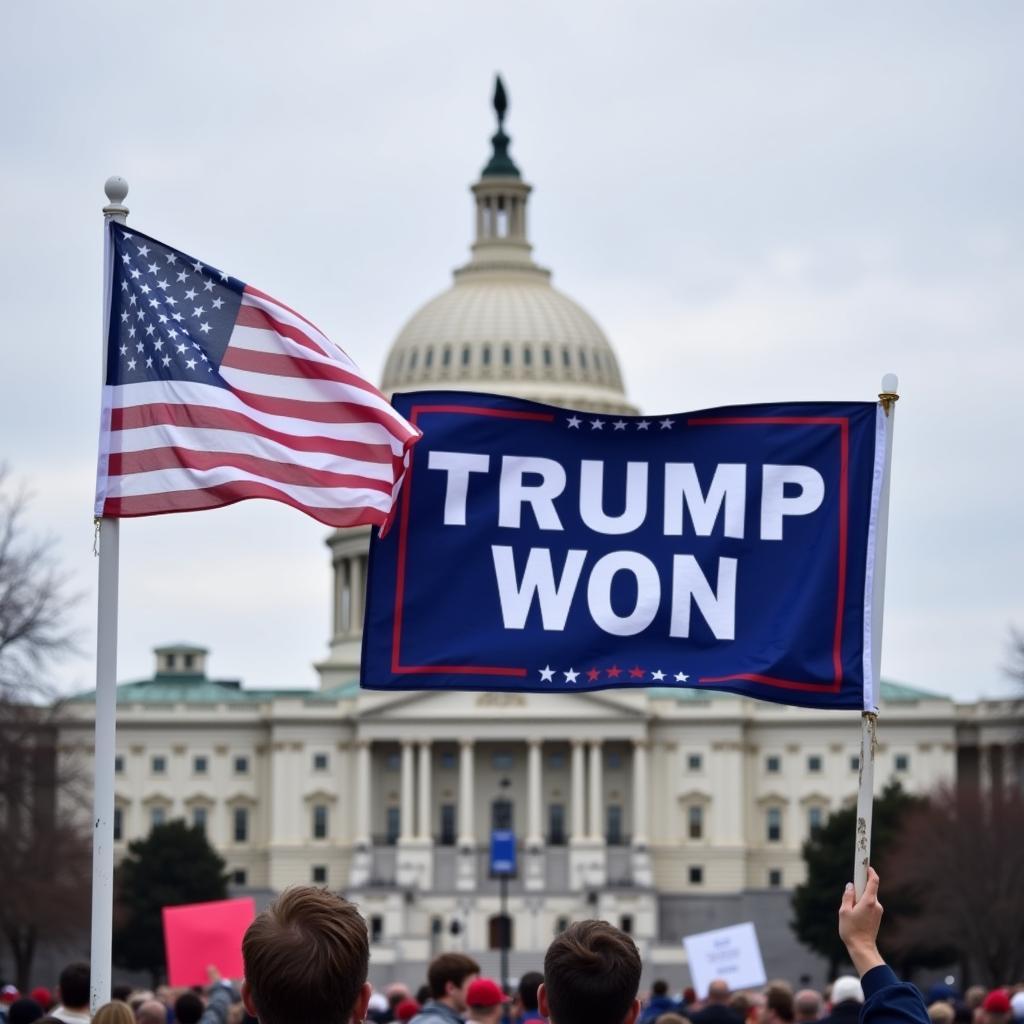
x,y
448,705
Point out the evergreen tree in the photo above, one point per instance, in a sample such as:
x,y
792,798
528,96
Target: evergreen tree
x,y
174,864
829,854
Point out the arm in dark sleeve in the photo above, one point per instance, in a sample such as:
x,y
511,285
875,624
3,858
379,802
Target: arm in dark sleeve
x,y
887,1000
216,1011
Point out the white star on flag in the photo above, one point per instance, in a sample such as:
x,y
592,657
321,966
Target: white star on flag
x,y
597,424
574,423
619,424
658,674
571,675
681,677
666,424
547,674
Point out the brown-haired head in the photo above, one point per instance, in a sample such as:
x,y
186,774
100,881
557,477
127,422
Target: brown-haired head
x,y
448,976
591,976
306,958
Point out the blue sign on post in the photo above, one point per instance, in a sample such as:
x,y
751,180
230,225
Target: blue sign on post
x,y
503,852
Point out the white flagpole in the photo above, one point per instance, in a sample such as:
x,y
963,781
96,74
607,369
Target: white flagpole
x,y
106,681
887,398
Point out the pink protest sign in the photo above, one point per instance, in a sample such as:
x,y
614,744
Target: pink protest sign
x,y
197,935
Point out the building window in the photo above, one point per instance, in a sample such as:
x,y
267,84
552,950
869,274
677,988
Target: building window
x,y
467,354
527,356
319,874
506,355
499,932
200,764
775,878
199,818
556,824
583,358
158,764
189,660
447,824
157,816
320,762
503,761
241,765
449,760
855,762
902,762
566,358
502,814
320,821
773,764
239,877
556,760
119,764
613,759
815,819
414,359
118,825
485,355
696,874
695,821
376,928
446,356
561,923
814,763
774,824
241,824
392,761
392,825
613,834
694,762
428,358
547,362
626,924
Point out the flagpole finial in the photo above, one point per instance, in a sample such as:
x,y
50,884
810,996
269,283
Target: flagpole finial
x,y
890,392
116,189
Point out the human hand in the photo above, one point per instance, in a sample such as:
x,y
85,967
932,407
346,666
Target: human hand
x,y
212,974
859,921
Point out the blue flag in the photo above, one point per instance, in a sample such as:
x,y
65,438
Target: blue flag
x,y
540,549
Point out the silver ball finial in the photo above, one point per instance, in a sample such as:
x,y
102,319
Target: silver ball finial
x,y
116,188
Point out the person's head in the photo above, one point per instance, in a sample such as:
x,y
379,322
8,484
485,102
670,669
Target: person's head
x,y
396,993
672,1018
306,958
448,976
484,1001
995,1008
406,1010
659,989
847,989
778,1006
591,976
122,993
718,992
975,996
807,1005
73,986
116,1011
188,1008
41,994
527,991
941,1013
24,1011
152,1011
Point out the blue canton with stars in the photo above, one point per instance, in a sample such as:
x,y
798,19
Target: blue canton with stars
x,y
171,316
517,563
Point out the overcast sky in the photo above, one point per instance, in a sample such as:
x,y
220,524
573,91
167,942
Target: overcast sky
x,y
757,202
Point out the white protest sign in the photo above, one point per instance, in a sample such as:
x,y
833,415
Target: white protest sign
x,y
731,954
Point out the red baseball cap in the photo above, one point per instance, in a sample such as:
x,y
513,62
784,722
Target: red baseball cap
x,y
484,992
997,1001
407,1009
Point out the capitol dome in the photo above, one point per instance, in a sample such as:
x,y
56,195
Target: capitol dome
x,y
501,327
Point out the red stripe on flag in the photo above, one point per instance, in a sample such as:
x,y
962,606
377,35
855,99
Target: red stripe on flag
x,y
289,366
277,302
202,417
173,457
228,494
251,316
323,412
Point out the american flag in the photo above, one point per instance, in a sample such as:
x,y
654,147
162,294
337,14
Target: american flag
x,y
215,392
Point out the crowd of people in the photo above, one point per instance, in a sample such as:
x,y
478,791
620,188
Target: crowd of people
x,y
307,957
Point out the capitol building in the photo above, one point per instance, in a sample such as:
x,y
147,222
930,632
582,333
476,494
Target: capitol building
x,y
665,811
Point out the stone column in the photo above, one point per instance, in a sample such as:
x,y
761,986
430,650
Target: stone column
x,y
407,830
363,798
596,792
578,826
425,809
534,833
640,792
356,589
467,834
